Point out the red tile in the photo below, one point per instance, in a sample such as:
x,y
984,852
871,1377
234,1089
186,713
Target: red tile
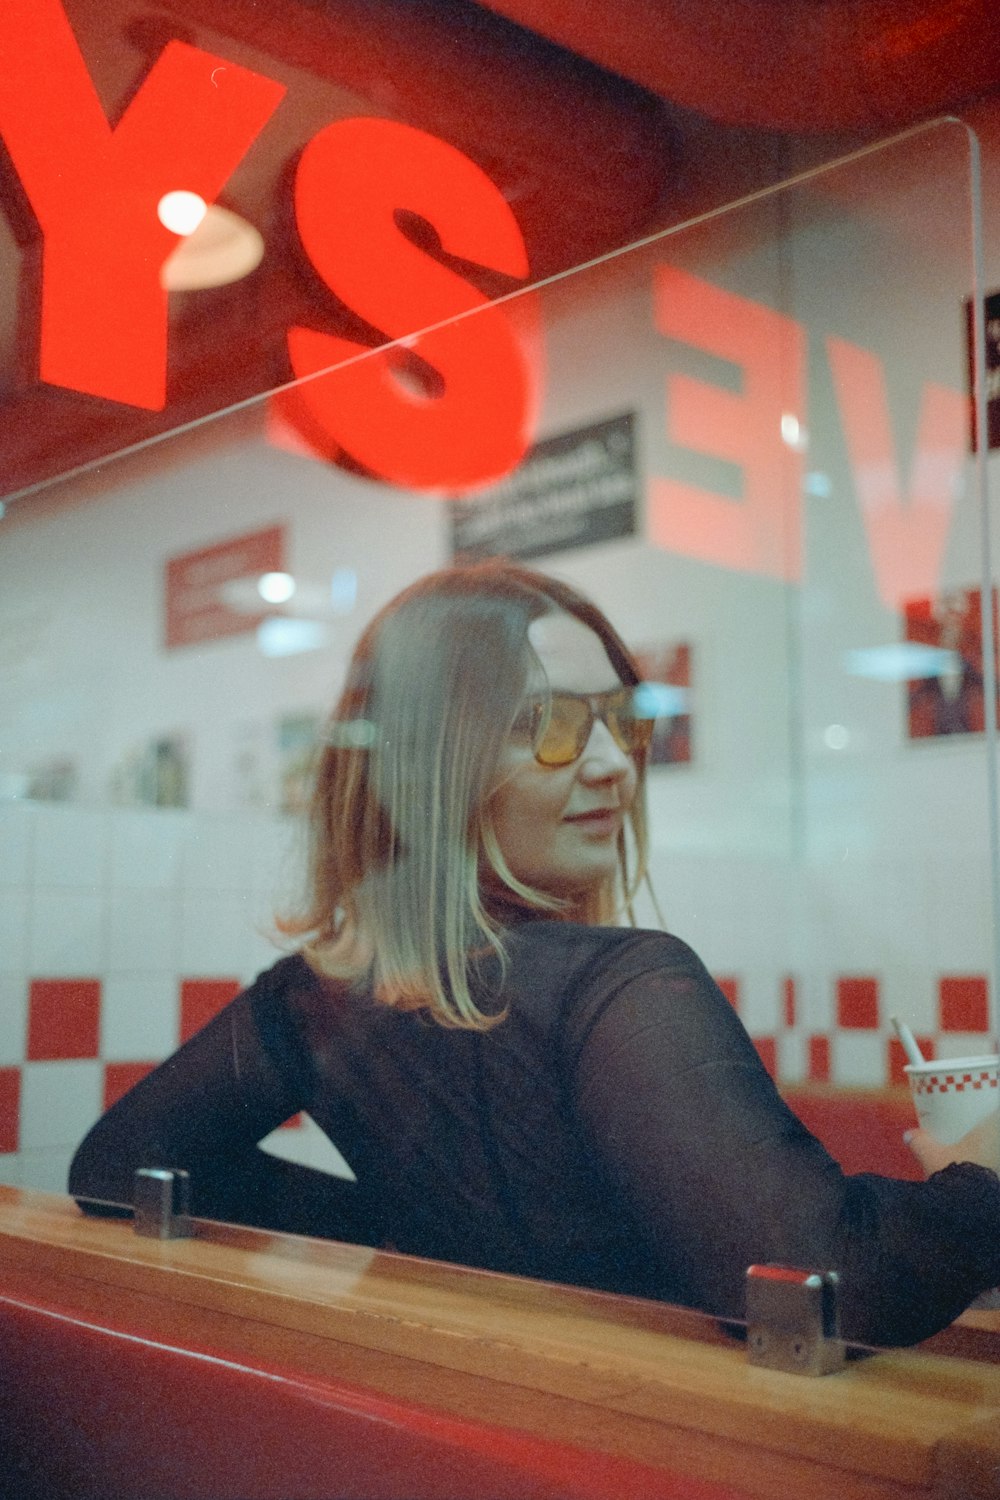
x,y
10,1109
789,998
963,1001
63,1018
201,999
897,1058
294,1122
120,1077
857,1004
819,1059
767,1050
730,987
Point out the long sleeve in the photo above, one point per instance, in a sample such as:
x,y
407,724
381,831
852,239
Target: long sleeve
x,y
721,1174
205,1109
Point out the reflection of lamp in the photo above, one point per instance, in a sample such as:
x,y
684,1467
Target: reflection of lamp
x,y
222,248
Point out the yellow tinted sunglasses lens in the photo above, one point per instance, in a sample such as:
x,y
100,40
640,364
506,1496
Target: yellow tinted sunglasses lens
x,y
631,734
564,730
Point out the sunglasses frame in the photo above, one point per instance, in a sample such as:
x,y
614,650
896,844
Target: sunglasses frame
x,y
599,708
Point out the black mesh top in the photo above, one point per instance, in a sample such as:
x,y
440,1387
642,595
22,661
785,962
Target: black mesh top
x,y
616,1130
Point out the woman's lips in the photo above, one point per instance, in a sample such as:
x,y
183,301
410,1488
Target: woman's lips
x,y
602,820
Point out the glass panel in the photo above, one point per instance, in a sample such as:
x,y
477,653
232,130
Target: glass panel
x,y
749,444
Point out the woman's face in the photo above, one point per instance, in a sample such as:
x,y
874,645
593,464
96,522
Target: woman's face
x,y
558,826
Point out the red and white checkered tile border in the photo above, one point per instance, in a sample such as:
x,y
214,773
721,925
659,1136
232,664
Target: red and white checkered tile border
x,y
64,1023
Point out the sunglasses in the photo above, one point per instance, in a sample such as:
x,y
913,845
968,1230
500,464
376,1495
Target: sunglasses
x,y
558,726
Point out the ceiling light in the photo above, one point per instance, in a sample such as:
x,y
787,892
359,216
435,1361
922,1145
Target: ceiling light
x,y
181,212
276,588
280,636
223,248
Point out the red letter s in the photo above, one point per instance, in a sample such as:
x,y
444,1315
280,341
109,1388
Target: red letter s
x,y
352,177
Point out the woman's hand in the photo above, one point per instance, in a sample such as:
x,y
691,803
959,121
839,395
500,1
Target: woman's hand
x,y
981,1145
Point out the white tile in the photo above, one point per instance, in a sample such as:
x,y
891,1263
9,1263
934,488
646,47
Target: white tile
x,y
10,1169
814,1001
14,931
219,854
964,1044
17,825
960,921
71,847
59,1103
793,1063
13,1017
67,934
760,999
147,849
279,854
139,1017
217,936
858,1060
910,994
142,931
46,1171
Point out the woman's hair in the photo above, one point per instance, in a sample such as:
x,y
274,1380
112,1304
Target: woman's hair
x,y
402,846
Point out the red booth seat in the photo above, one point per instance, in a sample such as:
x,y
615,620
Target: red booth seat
x,y
91,1412
861,1128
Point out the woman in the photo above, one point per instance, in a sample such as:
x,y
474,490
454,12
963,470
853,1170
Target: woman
x,y
517,1083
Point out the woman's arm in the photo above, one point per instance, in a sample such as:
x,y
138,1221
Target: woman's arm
x,y
722,1174
204,1110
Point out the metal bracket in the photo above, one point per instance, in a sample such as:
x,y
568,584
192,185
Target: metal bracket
x,y
161,1203
793,1320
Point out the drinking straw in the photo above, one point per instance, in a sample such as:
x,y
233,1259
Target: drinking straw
x,y
908,1040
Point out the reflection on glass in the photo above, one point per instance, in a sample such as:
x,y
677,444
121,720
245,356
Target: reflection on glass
x,y
747,442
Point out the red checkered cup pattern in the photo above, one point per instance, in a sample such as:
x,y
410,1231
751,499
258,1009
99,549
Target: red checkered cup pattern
x,y
953,1094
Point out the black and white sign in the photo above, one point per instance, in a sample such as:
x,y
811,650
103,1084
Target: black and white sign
x,y
570,491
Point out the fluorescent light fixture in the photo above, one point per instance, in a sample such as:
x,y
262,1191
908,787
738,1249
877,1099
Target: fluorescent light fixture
x,y
903,661
281,636
276,588
659,700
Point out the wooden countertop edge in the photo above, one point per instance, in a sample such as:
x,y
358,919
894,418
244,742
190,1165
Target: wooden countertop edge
x,y
639,1374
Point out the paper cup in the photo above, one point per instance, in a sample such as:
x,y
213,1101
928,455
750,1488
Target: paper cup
x,y
952,1094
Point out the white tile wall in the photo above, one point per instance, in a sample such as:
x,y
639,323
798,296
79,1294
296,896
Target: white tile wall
x,y
146,851
216,935
857,1058
15,845
143,931
13,1018
71,847
15,911
142,899
67,933
139,1017
59,1102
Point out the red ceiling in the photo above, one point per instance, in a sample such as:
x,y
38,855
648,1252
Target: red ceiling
x,y
792,64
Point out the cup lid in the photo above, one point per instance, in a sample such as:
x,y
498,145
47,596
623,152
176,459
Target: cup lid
x,y
953,1064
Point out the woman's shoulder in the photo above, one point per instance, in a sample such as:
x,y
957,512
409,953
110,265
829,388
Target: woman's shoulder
x,y
575,957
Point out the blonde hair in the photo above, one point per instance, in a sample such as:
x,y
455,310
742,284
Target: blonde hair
x,y
401,843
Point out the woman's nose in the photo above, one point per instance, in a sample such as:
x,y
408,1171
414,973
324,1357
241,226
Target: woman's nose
x,y
603,758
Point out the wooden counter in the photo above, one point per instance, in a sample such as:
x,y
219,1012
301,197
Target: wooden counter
x,y
608,1375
